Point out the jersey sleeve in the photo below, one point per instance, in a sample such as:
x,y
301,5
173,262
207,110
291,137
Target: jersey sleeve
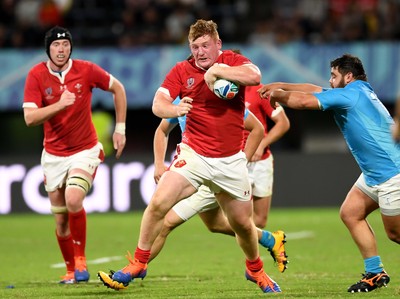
x,y
172,81
337,98
100,78
269,110
32,95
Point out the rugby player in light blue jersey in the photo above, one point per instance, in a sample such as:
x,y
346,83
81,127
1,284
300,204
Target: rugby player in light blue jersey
x,y
366,126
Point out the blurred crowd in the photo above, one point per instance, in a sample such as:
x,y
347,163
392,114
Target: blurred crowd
x,y
130,23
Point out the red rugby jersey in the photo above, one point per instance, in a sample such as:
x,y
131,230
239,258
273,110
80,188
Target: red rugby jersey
x,y
214,127
71,130
261,108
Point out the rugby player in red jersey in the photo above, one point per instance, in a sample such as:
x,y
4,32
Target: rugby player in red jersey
x,y
58,95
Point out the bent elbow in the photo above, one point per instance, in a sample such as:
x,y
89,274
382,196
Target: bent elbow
x,y
29,121
287,128
155,109
255,78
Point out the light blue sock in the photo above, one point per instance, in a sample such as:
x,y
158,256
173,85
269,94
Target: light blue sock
x,y
267,240
373,264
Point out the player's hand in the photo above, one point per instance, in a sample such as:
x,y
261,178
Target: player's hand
x,y
158,172
184,106
274,96
119,141
211,76
266,89
258,154
67,99
213,73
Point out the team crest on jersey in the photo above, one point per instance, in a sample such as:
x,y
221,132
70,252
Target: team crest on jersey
x,y
189,82
180,163
78,88
49,91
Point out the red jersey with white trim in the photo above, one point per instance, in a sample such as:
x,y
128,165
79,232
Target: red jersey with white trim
x,y
71,130
214,127
261,108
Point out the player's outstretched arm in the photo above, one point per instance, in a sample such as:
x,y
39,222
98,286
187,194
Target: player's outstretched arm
x,y
266,89
294,99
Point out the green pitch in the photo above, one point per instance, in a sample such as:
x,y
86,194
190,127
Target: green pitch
x,y
194,263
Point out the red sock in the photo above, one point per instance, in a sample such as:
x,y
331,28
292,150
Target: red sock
x,y
67,250
77,225
142,255
254,266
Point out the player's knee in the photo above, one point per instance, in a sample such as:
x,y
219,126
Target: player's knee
x,y
213,228
79,181
394,236
260,221
167,227
344,215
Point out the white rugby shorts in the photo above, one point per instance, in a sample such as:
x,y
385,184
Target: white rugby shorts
x,y
227,174
201,201
387,194
56,168
261,174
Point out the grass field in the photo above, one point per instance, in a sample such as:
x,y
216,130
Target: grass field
x,y
195,263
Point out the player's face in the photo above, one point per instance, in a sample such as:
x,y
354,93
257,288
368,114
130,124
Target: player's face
x,y
205,50
60,51
337,79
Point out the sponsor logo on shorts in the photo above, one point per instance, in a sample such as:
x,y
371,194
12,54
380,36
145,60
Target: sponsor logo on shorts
x,y
180,163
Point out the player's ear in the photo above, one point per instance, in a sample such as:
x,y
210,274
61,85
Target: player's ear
x,y
348,77
219,43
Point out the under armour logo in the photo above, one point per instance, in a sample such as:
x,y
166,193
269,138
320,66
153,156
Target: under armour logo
x,y
60,34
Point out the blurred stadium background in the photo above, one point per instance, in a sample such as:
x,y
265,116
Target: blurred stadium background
x,y
139,40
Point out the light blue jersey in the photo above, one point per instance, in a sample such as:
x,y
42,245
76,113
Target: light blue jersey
x,y
182,119
366,127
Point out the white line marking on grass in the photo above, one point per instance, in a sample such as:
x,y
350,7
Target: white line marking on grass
x,y
101,260
305,234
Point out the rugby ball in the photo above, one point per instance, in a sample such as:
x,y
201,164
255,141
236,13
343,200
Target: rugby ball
x,y
225,89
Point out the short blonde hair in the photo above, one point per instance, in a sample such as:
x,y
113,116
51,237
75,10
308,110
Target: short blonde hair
x,y
201,28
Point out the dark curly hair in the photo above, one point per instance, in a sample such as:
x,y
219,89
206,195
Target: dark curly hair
x,y
350,64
